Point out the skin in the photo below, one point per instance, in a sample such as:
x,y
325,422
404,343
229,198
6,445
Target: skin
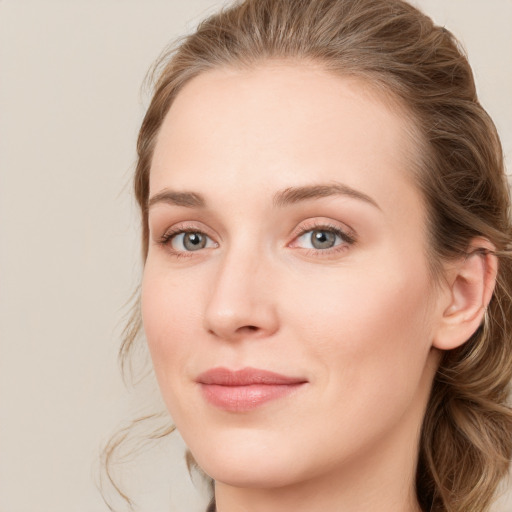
x,y
358,321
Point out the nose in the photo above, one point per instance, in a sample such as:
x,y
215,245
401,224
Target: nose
x,y
242,303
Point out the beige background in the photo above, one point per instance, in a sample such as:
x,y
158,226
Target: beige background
x,y
70,107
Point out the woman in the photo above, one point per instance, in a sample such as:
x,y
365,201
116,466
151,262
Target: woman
x,y
327,279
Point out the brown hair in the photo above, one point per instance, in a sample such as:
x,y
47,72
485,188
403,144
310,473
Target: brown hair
x,y
466,440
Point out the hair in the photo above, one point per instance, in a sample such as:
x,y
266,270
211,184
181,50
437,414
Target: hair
x,y
466,438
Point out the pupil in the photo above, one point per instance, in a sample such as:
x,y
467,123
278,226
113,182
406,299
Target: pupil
x,y
322,239
194,241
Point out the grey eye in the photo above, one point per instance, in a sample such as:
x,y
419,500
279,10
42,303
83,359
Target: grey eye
x,y
194,241
322,239
189,241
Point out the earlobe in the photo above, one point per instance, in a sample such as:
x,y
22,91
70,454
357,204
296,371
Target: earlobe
x,y
471,287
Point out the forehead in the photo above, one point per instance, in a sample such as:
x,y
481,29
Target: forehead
x,y
282,124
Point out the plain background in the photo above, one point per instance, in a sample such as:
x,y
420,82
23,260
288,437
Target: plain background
x,y
70,108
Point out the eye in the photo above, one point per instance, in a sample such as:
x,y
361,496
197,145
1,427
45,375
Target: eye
x,y
188,241
322,238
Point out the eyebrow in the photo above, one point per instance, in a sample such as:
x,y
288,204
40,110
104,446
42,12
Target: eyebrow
x,y
286,197
294,195
186,199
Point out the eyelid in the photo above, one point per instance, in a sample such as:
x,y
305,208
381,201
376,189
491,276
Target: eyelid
x,y
188,227
345,231
173,238
347,239
185,227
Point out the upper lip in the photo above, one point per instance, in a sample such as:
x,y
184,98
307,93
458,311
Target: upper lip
x,y
246,377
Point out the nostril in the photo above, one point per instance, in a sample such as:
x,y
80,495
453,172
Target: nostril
x,y
247,330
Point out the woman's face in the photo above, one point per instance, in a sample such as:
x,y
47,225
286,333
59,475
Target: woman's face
x,y
287,301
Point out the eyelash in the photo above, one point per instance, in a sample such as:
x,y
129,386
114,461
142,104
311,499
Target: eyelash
x,y
171,233
166,239
347,238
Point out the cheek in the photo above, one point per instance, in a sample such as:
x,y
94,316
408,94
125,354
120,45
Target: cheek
x,y
370,325
368,337
170,315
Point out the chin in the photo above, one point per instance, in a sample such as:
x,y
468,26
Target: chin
x,y
248,466
250,476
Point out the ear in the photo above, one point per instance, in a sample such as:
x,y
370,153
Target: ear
x,y
471,284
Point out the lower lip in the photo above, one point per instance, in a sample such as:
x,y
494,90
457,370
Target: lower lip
x,y
245,398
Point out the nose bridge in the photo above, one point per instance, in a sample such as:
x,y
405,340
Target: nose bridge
x,y
241,300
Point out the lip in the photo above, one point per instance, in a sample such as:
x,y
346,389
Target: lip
x,y
246,389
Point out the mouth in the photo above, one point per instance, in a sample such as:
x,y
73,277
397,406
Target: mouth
x,y
246,389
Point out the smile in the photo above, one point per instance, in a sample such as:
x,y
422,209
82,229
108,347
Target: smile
x,y
247,389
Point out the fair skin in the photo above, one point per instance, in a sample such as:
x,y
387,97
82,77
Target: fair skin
x,y
327,285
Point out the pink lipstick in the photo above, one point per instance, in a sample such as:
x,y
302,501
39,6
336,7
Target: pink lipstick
x,y
244,390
